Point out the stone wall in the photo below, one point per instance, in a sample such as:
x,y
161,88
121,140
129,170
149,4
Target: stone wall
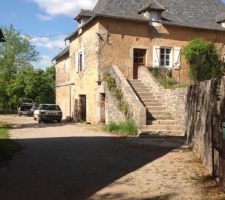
x,y
135,106
112,113
205,101
173,99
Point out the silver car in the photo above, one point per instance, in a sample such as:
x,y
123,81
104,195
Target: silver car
x,y
47,113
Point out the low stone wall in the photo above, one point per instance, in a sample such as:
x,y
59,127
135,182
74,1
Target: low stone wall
x,y
173,99
135,106
112,113
205,108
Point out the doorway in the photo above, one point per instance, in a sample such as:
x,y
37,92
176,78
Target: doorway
x,y
82,108
139,60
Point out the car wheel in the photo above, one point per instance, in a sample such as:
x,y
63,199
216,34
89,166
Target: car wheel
x,y
59,120
39,120
19,115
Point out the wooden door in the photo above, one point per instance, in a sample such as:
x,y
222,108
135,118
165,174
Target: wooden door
x,y
82,108
139,60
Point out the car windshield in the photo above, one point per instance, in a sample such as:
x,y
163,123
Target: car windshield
x,y
50,107
23,108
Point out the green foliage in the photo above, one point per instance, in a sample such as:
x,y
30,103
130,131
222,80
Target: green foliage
x,y
18,77
126,128
117,93
7,147
204,60
165,80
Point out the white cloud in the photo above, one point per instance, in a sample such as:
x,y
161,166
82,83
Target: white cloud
x,y
70,8
44,17
56,42
44,62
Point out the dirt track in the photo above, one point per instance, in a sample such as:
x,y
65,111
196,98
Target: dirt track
x,y
64,161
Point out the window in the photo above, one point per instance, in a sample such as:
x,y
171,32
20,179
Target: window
x,y
80,61
168,57
165,57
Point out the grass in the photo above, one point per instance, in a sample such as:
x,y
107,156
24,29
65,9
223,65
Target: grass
x,y
166,81
126,128
8,147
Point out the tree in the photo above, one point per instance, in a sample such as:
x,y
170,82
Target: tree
x,y
16,56
18,78
204,60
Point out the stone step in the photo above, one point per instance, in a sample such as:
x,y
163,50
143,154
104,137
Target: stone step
x,y
149,133
145,95
141,88
159,112
150,98
162,122
162,127
143,91
162,117
156,108
152,104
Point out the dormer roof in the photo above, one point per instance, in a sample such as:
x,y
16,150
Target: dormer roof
x,y
220,18
84,13
152,5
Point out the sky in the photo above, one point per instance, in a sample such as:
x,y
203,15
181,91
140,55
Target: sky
x,y
48,22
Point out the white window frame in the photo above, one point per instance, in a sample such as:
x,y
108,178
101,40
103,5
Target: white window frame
x,y
165,60
80,61
174,57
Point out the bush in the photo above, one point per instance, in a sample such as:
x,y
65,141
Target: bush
x,y
204,60
165,80
126,128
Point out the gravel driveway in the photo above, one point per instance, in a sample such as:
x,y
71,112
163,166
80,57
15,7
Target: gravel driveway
x,y
66,161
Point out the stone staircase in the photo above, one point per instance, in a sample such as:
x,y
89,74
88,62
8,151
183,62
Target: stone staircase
x,y
159,120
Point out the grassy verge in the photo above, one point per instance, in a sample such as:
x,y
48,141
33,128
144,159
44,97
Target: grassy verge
x,y
166,81
8,147
126,128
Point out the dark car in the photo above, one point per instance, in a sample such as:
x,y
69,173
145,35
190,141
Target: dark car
x,y
47,113
25,110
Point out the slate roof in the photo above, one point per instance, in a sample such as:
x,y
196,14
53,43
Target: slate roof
x,y
189,13
2,39
62,53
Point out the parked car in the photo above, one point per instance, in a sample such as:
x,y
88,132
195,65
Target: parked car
x,y
47,113
25,109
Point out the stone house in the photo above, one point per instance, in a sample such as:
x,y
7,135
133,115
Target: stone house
x,y
130,34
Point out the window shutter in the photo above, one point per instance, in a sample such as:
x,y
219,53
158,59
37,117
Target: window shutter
x,y
177,58
156,56
83,61
77,62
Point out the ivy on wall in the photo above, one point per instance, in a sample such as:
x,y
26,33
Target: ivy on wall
x,y
117,93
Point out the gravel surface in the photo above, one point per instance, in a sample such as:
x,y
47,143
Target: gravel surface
x,y
74,162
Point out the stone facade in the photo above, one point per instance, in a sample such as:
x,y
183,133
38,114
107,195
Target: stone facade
x,y
106,42
64,85
125,36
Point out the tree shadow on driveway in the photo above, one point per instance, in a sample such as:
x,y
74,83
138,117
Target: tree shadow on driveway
x,y
74,167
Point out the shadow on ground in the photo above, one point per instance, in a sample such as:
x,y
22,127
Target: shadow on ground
x,y
75,168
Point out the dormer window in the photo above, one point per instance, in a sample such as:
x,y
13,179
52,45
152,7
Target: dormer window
x,y
221,19
152,11
84,16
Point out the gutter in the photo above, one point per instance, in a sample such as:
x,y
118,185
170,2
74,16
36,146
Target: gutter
x,y
64,85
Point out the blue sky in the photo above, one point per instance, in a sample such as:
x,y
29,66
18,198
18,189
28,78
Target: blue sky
x,y
48,22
